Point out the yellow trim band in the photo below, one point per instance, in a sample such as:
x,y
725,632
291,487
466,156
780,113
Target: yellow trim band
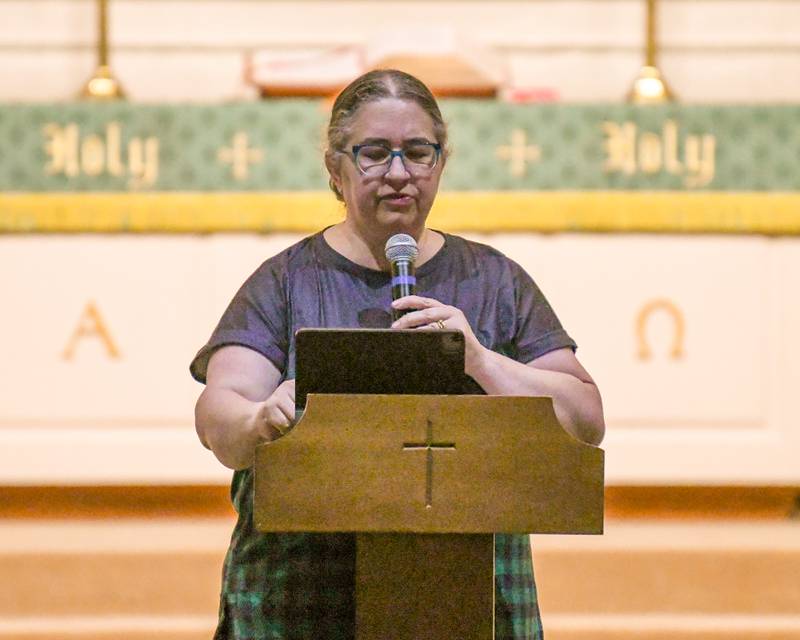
x,y
770,213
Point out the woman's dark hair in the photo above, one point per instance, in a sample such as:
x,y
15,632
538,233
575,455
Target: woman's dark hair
x,y
375,85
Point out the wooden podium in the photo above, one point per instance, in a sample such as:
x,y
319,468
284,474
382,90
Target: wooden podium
x,y
425,481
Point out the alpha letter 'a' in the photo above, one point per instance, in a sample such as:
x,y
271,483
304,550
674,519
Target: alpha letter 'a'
x,y
91,325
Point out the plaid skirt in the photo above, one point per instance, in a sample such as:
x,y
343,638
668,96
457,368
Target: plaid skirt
x,y
300,586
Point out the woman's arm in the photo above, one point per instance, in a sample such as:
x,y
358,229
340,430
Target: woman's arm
x,y
242,405
556,374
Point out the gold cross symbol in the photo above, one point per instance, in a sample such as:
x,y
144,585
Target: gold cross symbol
x,y
519,153
240,156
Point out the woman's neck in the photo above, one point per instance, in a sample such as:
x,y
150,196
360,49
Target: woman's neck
x,y
369,252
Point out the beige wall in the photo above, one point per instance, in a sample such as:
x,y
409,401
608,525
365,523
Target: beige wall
x,y
720,411
587,50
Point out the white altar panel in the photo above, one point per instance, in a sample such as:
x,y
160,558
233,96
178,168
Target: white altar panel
x,y
120,408
148,294
721,410
720,413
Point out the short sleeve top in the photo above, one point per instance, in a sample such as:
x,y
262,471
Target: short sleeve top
x,y
311,285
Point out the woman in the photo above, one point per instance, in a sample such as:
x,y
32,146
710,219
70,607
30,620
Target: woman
x,y
387,149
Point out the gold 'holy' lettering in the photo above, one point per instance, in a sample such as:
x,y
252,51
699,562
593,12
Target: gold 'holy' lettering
x,y
630,151
71,155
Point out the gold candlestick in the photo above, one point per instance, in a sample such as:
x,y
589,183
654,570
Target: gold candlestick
x,y
649,87
102,85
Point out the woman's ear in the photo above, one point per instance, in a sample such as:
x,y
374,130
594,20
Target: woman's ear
x,y
333,164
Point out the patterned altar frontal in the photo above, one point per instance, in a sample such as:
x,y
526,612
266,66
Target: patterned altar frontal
x,y
259,167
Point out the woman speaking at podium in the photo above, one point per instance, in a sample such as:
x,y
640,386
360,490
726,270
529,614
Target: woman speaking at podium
x,y
387,148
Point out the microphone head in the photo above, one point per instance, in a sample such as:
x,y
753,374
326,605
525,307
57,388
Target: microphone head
x,y
401,246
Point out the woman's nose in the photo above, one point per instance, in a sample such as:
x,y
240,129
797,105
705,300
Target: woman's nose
x,y
397,169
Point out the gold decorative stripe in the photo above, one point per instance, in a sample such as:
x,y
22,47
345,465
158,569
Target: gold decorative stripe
x,y
771,213
167,211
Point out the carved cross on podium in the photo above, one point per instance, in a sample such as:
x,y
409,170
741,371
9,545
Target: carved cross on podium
x,y
346,467
429,446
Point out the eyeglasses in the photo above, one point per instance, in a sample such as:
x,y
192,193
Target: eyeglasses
x,y
375,159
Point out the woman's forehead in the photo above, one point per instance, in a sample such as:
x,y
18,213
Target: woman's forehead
x,y
392,120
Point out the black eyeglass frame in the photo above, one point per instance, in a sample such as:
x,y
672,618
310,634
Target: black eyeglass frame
x,y
401,153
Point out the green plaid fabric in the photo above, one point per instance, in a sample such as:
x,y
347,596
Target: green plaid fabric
x,y
516,611
300,586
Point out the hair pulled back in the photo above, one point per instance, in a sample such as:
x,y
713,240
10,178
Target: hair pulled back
x,y
376,85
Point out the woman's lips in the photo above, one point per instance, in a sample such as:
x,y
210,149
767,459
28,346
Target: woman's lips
x,y
397,199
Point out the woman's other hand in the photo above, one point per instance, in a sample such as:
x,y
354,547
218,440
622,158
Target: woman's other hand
x,y
277,413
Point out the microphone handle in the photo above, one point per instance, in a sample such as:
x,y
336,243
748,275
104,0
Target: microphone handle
x,y
404,283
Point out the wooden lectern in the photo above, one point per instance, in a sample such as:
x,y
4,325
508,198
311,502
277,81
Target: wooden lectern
x,y
425,481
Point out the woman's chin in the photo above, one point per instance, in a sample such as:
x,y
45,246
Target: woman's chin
x,y
399,209
401,221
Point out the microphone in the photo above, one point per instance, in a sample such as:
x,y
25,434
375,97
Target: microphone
x,y
401,252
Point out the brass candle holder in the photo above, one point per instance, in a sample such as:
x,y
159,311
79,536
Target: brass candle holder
x,y
102,85
649,87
